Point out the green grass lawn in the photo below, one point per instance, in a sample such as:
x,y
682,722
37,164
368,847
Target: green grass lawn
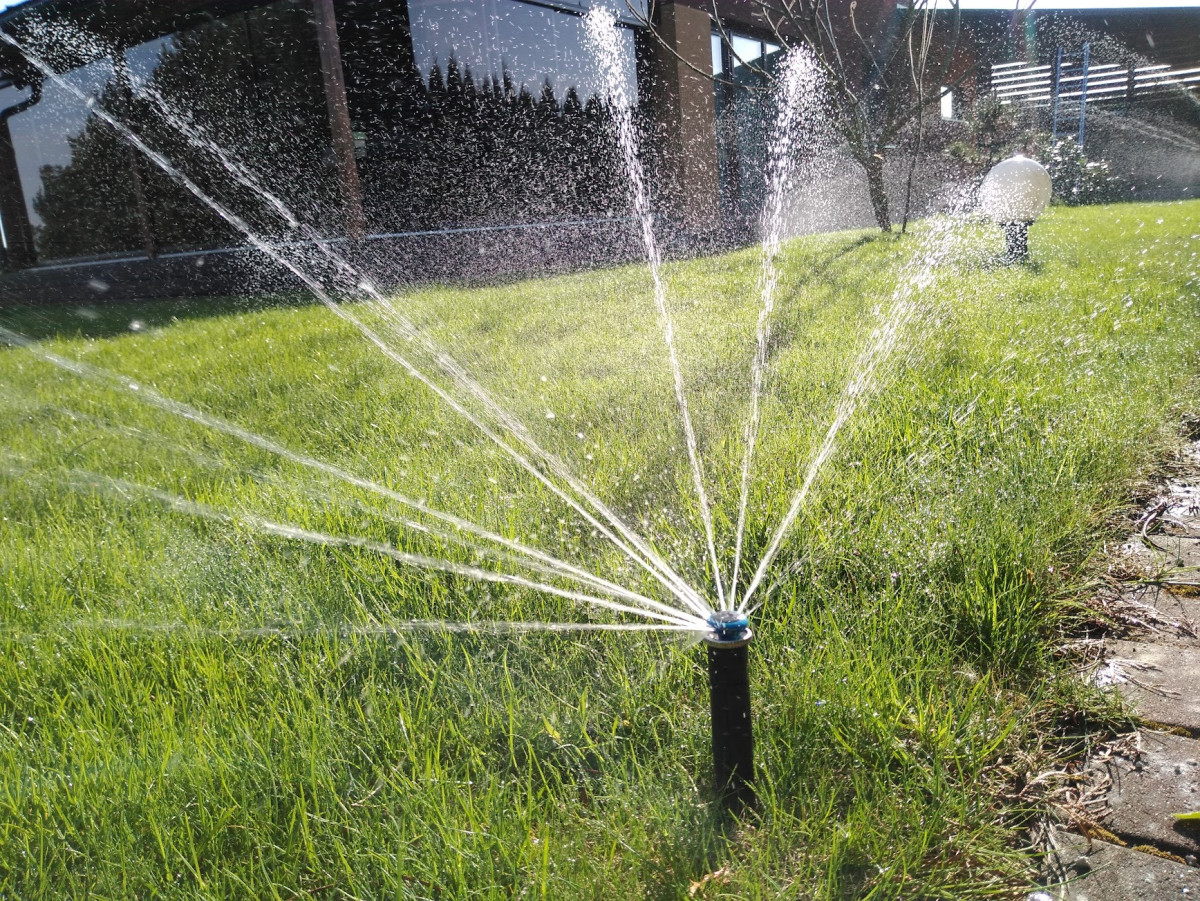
x,y
190,707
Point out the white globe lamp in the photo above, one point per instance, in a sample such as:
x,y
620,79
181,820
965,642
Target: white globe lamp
x,y
1013,194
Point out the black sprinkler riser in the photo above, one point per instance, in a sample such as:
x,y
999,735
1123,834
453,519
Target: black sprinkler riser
x,y
732,730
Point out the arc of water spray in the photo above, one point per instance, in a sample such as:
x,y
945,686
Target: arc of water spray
x,y
243,177
789,97
421,561
528,557
653,562
408,627
602,30
543,561
902,310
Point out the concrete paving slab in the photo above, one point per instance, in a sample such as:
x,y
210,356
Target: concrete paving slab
x,y
1168,617
1161,681
1174,557
1164,780
1175,531
1098,871
1181,552
1186,610
1178,534
1178,615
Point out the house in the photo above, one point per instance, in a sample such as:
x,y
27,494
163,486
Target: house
x,y
433,138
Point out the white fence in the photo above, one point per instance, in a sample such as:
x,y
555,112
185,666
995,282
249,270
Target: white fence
x,y
1034,84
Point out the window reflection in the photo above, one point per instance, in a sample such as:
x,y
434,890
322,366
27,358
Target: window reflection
x,y
248,83
47,139
628,12
494,119
479,112
531,45
143,59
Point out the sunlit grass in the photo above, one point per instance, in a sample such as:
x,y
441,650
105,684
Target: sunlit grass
x,y
191,708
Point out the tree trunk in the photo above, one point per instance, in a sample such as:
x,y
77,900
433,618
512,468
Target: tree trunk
x,y
878,191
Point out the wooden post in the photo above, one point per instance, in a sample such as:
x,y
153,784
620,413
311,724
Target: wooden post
x,y
339,117
683,105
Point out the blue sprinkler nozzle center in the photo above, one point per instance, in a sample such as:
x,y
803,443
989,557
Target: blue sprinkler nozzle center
x,y
729,625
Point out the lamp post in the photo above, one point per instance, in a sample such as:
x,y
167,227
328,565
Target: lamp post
x,y
729,689
1013,194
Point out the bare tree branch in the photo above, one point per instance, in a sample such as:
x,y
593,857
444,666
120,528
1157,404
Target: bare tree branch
x,y
877,86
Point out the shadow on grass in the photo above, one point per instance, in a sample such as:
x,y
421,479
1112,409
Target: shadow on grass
x,y
998,262
107,320
831,271
826,265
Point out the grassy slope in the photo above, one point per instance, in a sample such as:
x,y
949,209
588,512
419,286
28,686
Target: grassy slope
x,y
154,740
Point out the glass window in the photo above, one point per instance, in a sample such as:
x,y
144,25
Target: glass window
x,y
947,103
235,98
247,85
42,134
143,59
718,54
630,12
479,113
28,175
237,104
746,50
743,113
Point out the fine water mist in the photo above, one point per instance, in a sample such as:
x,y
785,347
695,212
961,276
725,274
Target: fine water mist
x,y
799,121
622,535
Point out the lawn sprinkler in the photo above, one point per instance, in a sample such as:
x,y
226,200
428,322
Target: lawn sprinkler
x,y
729,688
1013,194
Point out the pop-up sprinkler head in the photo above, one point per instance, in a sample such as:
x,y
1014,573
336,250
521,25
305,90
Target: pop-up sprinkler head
x,y
728,627
729,689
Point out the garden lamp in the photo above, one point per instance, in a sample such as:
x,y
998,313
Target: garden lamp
x,y
1013,194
